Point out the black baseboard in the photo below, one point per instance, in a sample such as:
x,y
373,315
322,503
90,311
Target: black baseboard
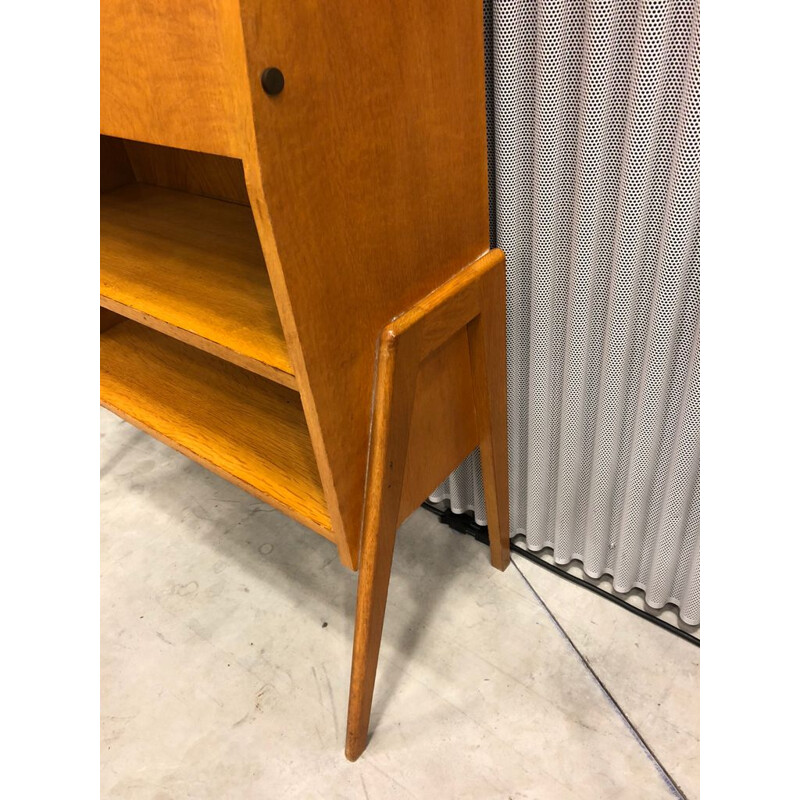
x,y
465,524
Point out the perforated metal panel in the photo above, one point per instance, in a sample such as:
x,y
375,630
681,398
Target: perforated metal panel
x,y
594,130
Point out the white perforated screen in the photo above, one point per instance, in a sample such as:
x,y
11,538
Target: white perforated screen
x,y
594,129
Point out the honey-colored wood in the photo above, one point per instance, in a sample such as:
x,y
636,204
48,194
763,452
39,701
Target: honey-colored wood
x,y
108,319
165,74
443,428
464,303
192,267
487,347
245,428
188,171
398,361
370,190
366,181
115,168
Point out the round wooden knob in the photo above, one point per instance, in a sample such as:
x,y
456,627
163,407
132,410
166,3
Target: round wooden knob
x,y
272,80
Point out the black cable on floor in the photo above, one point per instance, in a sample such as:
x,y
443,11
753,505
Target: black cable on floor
x,y
673,787
465,524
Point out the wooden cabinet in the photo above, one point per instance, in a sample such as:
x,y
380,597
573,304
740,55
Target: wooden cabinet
x,y
297,289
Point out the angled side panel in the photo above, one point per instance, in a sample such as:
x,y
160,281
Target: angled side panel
x,y
373,170
165,74
470,303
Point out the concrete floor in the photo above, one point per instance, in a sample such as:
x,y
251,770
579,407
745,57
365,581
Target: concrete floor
x,y
226,632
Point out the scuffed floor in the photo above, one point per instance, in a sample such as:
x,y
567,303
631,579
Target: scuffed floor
x,y
226,632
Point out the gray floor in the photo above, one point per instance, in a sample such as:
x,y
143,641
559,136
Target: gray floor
x,y
226,631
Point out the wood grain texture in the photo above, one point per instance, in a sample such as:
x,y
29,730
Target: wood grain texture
x,y
398,362
457,324
115,168
372,166
443,429
187,171
471,302
165,74
460,391
193,268
243,427
487,347
367,180
108,319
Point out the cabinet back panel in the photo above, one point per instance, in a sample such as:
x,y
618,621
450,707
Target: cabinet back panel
x,y
165,73
123,161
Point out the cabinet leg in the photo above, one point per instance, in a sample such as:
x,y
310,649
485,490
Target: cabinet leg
x,y
474,298
398,362
487,351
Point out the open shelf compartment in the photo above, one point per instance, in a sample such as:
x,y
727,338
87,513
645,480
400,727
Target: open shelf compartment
x,y
247,429
177,258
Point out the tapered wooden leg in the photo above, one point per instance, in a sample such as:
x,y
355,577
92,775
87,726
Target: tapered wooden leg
x,y
397,368
475,298
487,351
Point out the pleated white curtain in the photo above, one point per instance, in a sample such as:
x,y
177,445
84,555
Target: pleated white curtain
x,y
594,126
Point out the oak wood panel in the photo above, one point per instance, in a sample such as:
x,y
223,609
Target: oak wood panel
x,y
243,427
443,430
115,168
165,74
108,319
460,390
461,323
487,347
192,267
368,185
373,167
397,366
188,171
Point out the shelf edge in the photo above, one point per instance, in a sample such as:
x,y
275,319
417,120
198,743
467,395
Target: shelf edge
x,y
209,465
201,343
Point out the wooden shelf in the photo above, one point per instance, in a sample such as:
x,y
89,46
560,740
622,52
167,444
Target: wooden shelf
x,y
375,203
249,430
192,267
